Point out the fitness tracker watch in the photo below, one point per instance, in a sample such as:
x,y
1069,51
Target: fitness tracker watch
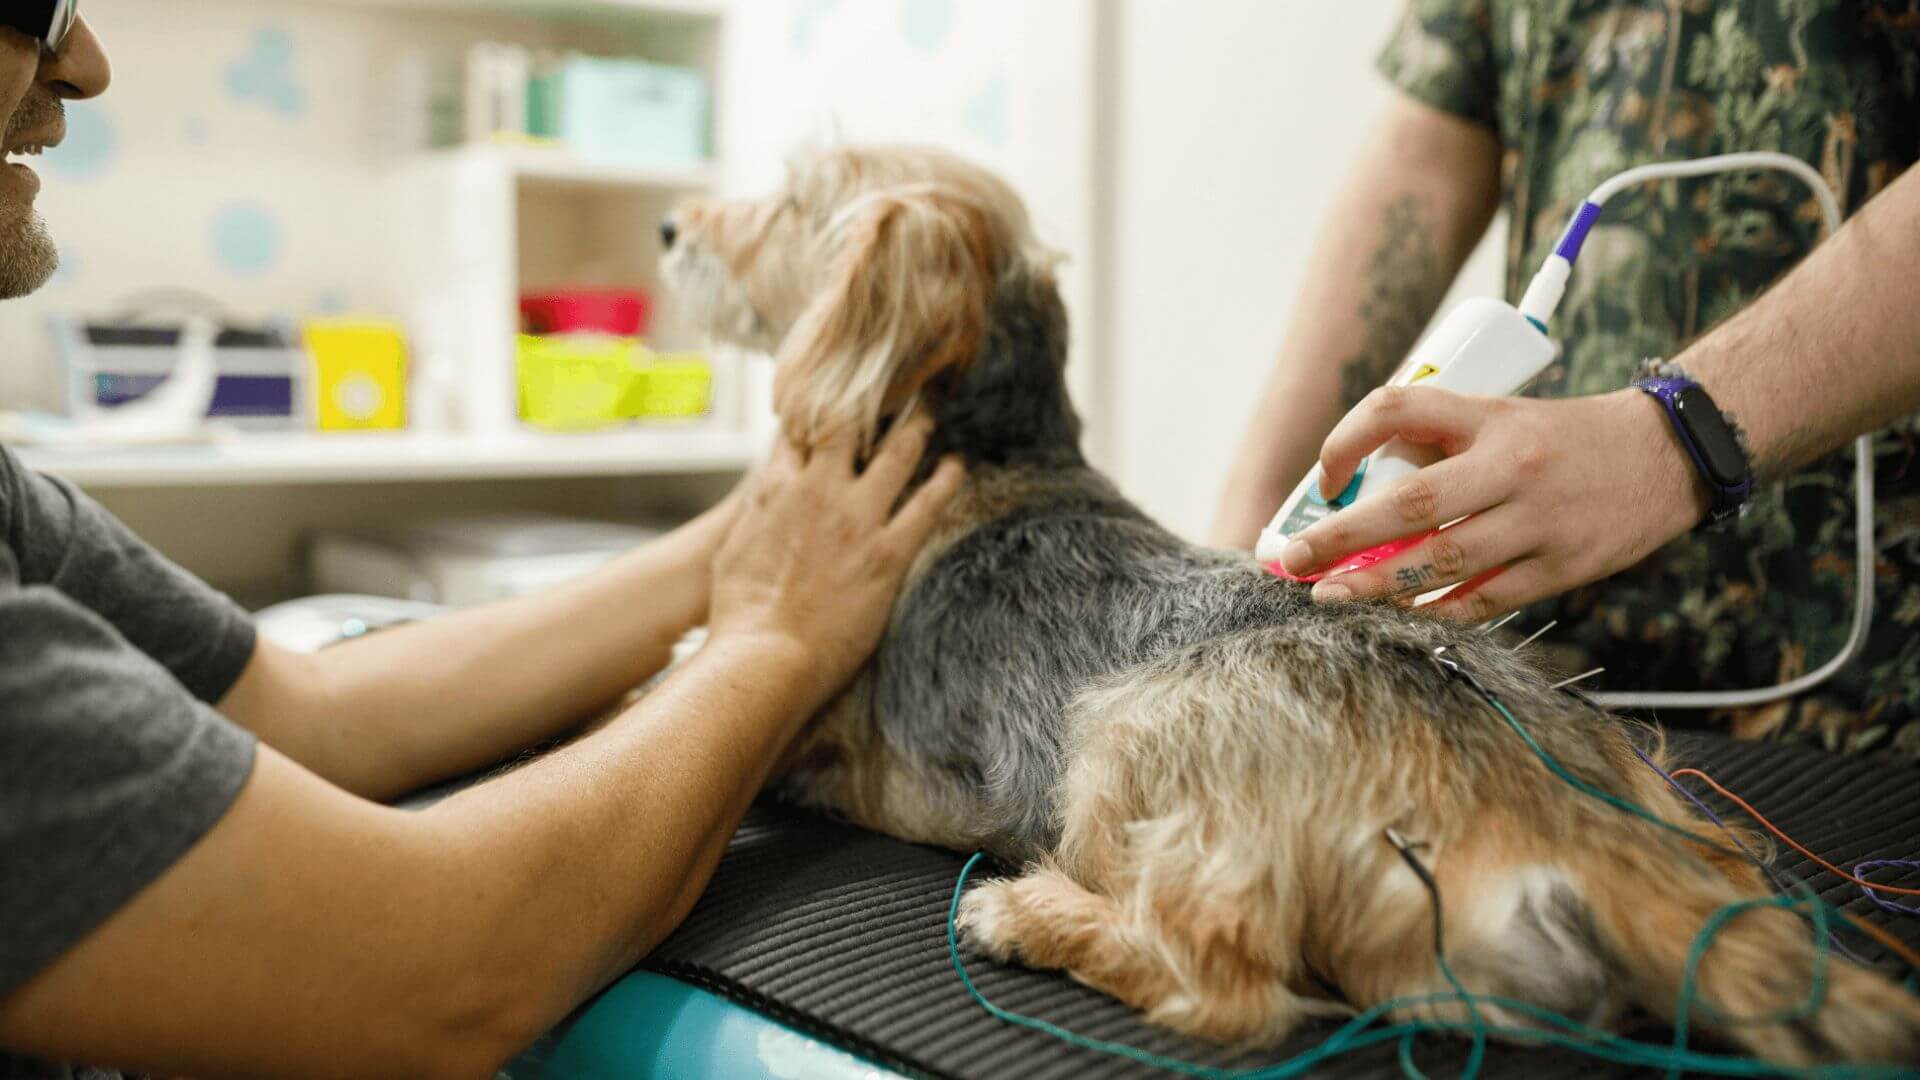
x,y
47,21
1708,439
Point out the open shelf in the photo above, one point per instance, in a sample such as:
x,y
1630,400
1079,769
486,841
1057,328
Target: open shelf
x,y
340,458
557,166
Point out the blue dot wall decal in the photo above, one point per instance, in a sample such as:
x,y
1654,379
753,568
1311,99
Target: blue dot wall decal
x,y
90,146
246,239
196,131
990,113
927,23
265,74
332,302
803,24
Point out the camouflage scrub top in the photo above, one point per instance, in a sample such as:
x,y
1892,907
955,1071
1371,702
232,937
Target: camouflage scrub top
x,y
1578,90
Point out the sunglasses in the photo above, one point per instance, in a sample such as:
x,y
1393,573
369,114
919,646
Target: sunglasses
x,y
48,21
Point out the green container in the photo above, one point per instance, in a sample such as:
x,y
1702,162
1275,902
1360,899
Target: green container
x,y
623,112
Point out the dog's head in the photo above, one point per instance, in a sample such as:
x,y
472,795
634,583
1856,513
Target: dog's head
x,y
871,273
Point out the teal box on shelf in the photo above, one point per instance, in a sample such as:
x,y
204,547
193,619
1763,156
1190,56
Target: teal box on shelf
x,y
623,112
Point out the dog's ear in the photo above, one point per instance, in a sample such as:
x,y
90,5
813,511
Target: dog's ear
x,y
906,299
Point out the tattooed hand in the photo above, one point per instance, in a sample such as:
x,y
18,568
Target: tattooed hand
x,y
1554,494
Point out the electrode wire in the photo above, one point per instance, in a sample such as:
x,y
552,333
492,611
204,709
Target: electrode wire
x,y
1581,1038
1558,266
1862,869
1795,844
1780,878
1354,1034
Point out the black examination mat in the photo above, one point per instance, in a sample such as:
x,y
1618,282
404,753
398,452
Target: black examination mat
x,y
842,934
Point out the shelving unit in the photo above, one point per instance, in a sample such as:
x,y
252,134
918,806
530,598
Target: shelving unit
x,y
703,9
378,458
559,166
461,233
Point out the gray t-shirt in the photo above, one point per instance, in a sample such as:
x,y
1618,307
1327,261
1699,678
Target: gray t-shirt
x,y
112,762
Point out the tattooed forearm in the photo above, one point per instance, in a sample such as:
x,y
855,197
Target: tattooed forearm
x,y
1404,285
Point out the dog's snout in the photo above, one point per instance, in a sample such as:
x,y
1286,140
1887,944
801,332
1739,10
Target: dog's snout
x,y
669,231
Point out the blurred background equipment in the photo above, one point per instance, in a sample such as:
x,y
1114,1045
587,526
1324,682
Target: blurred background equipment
x,y
462,561
259,372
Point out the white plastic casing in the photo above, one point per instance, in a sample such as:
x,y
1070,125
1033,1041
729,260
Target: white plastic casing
x,y
1482,347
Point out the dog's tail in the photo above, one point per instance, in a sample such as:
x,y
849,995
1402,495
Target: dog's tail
x,y
1760,980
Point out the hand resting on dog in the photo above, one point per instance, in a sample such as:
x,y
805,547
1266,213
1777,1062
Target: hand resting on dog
x,y
819,553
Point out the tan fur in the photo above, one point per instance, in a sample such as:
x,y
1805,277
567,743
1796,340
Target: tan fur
x,y
868,275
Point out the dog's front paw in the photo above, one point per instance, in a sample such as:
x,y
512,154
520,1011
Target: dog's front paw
x,y
988,921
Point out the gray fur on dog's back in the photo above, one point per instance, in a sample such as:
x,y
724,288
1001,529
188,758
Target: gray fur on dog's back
x,y
1013,620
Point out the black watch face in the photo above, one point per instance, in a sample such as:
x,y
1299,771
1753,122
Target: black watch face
x,y
1718,448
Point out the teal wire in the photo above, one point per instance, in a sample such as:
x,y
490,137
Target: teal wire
x,y
1590,1041
1816,991
1553,765
1354,1034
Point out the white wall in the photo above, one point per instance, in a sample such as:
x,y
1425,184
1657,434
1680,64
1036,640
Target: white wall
x,y
1007,83
1237,121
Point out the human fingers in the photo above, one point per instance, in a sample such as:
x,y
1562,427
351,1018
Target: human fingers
x,y
836,454
1429,498
1452,555
1499,591
893,464
1415,413
915,522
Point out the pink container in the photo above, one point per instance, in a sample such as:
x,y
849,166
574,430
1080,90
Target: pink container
x,y
620,312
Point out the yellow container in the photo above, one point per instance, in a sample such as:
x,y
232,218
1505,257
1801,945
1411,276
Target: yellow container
x,y
674,386
359,374
576,383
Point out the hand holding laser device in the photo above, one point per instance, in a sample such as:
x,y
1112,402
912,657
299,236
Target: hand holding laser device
x,y
1482,347
1488,348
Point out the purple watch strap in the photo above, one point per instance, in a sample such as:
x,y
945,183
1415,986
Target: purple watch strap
x,y
1727,498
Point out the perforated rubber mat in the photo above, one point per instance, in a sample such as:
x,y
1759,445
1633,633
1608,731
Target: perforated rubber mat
x,y
842,934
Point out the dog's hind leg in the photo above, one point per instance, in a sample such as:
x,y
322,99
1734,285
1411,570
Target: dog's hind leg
x,y
1045,919
1205,985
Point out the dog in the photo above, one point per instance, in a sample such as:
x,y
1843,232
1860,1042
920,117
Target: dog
x,y
1225,797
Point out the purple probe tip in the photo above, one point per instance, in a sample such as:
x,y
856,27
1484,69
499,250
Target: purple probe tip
x,y
1576,234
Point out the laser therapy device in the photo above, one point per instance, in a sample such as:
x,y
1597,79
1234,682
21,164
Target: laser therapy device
x,y
1488,347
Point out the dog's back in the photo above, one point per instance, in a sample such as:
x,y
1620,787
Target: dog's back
x,y
1031,608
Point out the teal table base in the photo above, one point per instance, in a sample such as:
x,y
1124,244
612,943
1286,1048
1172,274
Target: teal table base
x,y
649,1025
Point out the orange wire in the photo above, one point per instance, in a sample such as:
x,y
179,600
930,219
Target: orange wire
x,y
1791,842
1895,945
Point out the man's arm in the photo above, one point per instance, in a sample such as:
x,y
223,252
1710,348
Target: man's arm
x,y
314,933
1570,491
1418,199
406,707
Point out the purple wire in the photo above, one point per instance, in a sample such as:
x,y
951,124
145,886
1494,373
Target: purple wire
x,y
1780,881
1861,869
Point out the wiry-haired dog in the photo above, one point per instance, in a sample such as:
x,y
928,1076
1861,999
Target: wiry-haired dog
x,y
1197,766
